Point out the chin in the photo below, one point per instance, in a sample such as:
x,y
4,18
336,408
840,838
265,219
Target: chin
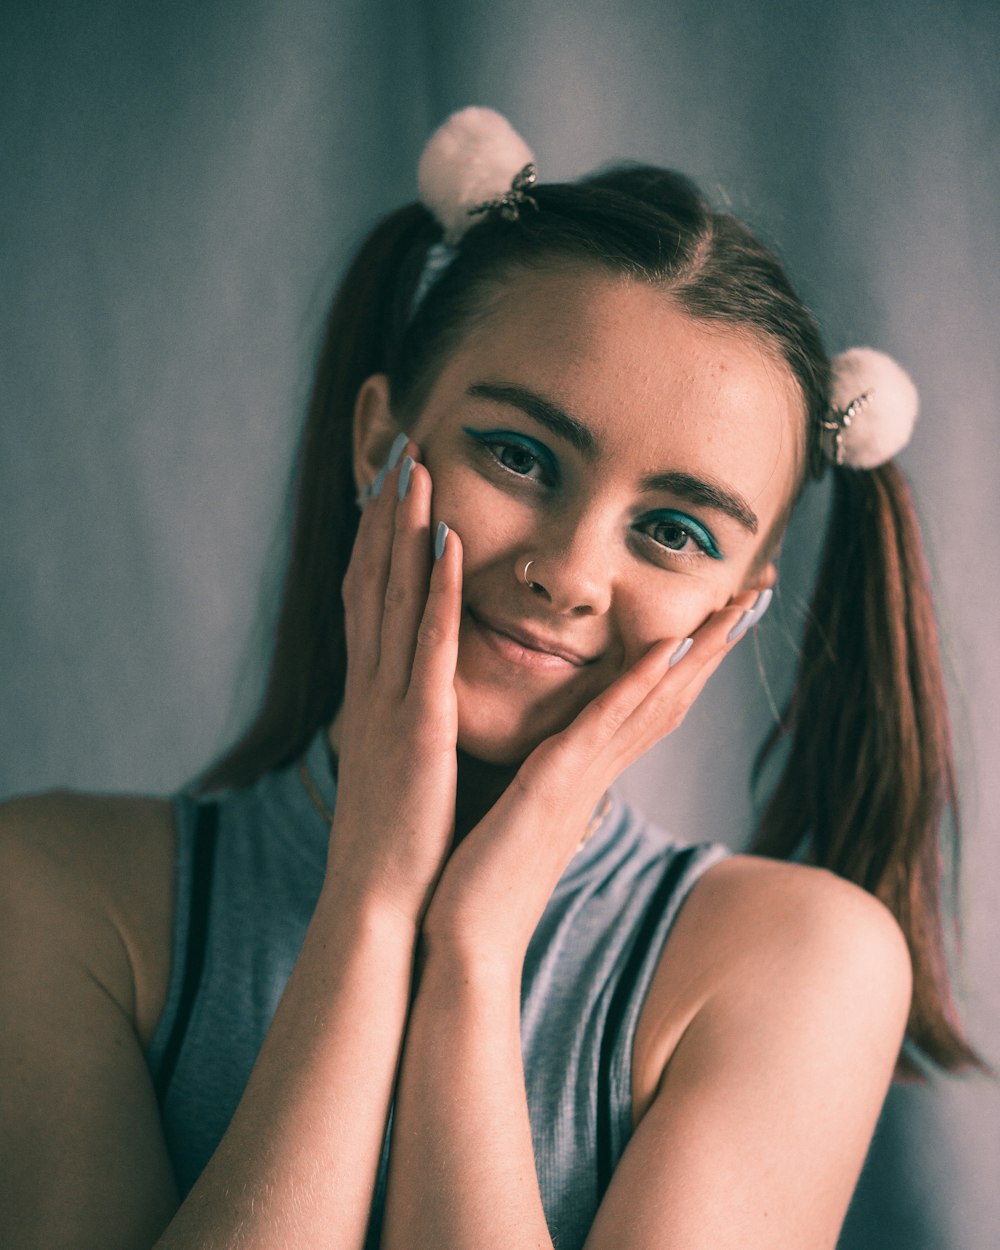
x,y
495,732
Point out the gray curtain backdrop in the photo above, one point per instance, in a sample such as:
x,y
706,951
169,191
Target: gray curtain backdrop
x,y
181,185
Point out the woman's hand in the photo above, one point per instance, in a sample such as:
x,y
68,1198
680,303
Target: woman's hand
x,y
498,880
394,818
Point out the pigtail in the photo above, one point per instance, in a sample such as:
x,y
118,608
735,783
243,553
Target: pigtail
x,y
305,684
870,773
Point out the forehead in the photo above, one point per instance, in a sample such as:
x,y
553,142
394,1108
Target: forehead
x,y
657,388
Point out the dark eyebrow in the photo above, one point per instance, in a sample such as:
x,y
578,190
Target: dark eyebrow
x,y
686,485
696,490
541,410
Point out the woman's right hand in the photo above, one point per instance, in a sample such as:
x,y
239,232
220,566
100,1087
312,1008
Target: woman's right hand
x,y
398,727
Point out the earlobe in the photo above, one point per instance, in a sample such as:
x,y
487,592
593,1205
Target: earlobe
x,y
375,428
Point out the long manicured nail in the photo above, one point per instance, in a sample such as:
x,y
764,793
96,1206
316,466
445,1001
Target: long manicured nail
x,y
440,538
404,477
379,481
681,652
396,450
761,604
741,626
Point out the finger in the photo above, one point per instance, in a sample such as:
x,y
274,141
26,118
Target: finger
x,y
436,653
409,573
657,691
368,571
669,700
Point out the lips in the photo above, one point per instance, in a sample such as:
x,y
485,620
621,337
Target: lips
x,y
530,639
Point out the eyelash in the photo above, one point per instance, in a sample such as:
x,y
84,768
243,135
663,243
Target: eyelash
x,y
489,440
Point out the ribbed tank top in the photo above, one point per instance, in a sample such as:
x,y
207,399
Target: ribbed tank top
x,y
249,868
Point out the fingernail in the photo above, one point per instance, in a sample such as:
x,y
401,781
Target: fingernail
x,y
681,652
741,626
404,477
761,604
440,539
379,479
396,450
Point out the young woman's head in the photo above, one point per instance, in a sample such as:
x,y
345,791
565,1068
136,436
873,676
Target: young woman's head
x,y
622,387
637,458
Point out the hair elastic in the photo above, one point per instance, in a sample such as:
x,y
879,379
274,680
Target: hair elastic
x,y
873,409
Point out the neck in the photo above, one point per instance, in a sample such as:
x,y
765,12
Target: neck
x,y
479,787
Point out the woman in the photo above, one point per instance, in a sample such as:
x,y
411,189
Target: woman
x,y
546,472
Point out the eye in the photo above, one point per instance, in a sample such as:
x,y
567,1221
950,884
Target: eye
x,y
516,454
679,533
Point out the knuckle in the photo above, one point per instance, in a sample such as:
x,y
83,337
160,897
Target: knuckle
x,y
433,634
396,595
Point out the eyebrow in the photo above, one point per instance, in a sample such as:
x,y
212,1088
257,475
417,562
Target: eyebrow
x,y
695,490
708,494
542,410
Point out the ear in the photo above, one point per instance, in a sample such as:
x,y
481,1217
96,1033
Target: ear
x,y
375,428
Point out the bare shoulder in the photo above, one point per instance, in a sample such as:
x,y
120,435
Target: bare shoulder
x,y
764,1052
756,913
783,947
93,874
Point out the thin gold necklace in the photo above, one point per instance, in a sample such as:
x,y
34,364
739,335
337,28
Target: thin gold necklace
x,y
310,788
314,794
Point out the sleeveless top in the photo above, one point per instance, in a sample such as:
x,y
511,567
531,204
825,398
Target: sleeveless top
x,y
250,864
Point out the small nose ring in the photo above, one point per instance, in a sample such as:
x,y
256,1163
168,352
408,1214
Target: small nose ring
x,y
524,575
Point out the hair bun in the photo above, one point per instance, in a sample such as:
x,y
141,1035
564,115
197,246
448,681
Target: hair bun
x,y
471,158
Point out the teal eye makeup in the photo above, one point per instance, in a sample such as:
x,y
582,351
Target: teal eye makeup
x,y
674,530
517,454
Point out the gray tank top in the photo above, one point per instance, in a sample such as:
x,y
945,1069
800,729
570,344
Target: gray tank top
x,y
250,864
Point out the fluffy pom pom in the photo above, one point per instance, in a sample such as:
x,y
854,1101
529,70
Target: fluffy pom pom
x,y
883,424
473,157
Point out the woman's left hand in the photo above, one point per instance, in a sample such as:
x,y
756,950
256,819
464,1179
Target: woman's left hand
x,y
498,880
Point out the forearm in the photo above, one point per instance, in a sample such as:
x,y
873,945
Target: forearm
x,y
462,1171
297,1165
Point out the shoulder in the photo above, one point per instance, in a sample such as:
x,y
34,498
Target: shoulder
x,y
756,913
91,875
779,950
773,1027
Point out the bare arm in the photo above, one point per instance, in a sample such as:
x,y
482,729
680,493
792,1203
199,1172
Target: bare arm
x,y
763,1114
82,1157
85,1162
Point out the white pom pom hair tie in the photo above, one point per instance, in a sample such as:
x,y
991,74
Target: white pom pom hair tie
x,y
475,162
873,409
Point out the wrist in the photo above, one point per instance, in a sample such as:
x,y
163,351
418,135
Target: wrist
x,y
349,913
466,965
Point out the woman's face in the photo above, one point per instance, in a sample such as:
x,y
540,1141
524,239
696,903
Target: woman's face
x,y
636,457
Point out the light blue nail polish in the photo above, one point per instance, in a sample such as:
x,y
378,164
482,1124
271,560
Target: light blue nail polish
x,y
761,604
681,652
396,450
440,539
404,477
741,626
379,481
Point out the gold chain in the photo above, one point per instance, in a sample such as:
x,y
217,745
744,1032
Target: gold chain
x,y
314,794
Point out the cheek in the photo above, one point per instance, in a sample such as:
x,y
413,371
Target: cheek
x,y
675,608
489,526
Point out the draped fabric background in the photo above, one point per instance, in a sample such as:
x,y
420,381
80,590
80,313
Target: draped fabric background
x,y
181,185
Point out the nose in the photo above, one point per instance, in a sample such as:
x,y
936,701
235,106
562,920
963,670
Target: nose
x,y
571,568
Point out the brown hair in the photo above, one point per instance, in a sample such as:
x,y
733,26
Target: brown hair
x,y
869,770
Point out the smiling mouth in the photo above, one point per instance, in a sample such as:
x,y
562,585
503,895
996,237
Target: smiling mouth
x,y
521,645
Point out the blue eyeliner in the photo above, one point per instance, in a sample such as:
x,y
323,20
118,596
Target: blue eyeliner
x,y
697,531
